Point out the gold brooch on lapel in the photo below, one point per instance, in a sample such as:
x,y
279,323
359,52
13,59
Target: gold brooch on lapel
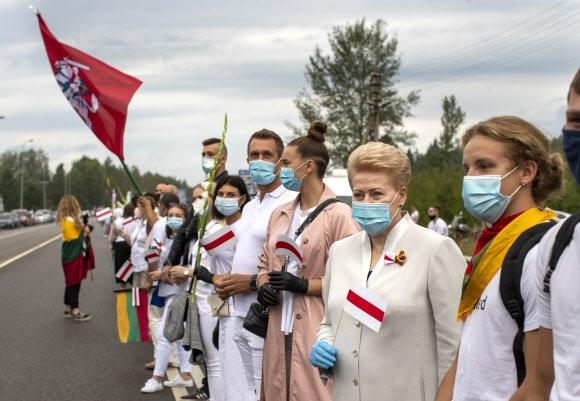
x,y
390,258
401,258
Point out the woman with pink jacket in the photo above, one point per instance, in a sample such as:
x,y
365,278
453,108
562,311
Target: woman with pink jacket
x,y
294,295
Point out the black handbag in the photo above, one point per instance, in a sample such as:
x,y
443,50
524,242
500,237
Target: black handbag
x,y
256,320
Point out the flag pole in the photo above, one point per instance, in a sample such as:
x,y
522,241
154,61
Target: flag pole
x,y
131,177
204,217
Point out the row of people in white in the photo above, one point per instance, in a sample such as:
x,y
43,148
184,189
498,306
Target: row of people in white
x,y
251,237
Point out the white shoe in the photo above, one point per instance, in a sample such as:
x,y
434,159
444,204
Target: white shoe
x,y
178,381
151,386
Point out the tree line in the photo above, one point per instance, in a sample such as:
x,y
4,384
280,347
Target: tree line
x,y
89,179
353,88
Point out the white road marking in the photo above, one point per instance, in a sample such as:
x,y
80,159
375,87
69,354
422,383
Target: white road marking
x,y
21,255
24,230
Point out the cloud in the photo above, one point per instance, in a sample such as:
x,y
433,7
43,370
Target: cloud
x,y
201,59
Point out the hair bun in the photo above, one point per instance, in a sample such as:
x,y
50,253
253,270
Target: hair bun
x,y
317,131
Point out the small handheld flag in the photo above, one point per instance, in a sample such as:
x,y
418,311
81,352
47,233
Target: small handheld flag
x,y
158,245
219,240
151,256
365,306
286,246
128,221
104,214
125,271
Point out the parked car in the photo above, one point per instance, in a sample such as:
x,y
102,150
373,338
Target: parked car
x,y
25,217
9,220
43,216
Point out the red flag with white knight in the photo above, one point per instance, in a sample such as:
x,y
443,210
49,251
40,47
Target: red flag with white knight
x,y
99,93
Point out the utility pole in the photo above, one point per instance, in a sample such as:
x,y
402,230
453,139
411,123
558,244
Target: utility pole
x,y
44,182
376,85
22,174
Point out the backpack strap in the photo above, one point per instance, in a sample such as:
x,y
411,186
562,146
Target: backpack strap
x,y
510,289
563,238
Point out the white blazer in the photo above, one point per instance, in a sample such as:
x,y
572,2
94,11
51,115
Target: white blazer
x,y
419,336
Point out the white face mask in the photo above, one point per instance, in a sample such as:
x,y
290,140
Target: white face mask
x,y
137,213
482,196
207,164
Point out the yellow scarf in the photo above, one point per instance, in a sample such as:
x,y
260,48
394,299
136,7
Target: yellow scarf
x,y
492,259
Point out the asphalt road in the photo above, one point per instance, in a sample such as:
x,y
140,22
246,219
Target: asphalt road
x,y
44,356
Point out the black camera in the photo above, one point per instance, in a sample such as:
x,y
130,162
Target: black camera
x,y
85,217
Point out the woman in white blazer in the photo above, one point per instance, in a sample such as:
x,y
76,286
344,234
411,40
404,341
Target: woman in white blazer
x,y
416,272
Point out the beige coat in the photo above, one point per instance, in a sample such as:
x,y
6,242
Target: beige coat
x,y
334,223
419,336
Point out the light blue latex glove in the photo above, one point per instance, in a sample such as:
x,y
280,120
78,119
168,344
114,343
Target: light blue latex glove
x,y
322,355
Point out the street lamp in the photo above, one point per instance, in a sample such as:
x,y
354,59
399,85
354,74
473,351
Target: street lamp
x,y
22,174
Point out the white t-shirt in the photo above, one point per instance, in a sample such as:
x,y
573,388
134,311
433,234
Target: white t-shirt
x,y
166,289
158,232
560,311
439,226
138,238
125,224
251,237
486,369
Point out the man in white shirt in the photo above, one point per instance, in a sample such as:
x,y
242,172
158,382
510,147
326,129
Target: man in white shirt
x,y
557,371
436,223
264,150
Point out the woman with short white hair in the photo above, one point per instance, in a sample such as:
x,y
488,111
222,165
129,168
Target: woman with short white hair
x,y
410,276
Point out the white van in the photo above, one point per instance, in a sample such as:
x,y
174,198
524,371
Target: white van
x,y
337,180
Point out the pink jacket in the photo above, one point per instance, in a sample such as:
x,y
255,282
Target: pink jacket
x,y
332,224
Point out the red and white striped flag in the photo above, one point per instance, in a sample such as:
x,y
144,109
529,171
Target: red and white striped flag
x,y
125,271
135,299
104,214
286,246
158,245
128,220
151,256
365,306
221,239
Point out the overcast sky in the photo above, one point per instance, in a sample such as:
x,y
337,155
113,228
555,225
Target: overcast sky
x,y
201,59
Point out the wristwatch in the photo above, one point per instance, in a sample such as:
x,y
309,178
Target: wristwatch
x,y
186,272
253,283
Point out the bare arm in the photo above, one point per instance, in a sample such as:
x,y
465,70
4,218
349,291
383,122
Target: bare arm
x,y
314,287
445,392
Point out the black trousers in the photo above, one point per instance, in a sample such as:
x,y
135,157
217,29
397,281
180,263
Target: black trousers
x,y
71,295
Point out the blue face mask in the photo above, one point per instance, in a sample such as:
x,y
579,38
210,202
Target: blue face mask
x,y
571,146
207,164
482,197
226,206
262,172
374,218
287,176
174,222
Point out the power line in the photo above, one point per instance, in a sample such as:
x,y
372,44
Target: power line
x,y
491,44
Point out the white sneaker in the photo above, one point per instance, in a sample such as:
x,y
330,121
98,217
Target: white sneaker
x,y
178,381
151,386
